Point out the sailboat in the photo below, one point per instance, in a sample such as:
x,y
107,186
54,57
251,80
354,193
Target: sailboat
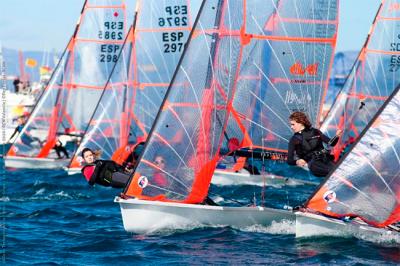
x,y
288,71
373,78
175,169
361,197
13,105
68,102
125,113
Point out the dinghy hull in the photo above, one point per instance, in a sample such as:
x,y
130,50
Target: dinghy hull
x,y
229,178
308,225
140,216
35,163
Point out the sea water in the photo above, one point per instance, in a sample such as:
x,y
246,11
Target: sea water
x,y
55,219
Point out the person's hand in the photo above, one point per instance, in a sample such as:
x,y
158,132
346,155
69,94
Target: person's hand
x,y
301,162
339,132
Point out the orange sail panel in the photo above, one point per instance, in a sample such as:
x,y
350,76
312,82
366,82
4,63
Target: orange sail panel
x,y
68,102
127,111
366,184
373,78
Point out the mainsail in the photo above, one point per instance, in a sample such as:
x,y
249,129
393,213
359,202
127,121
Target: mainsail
x,y
373,78
126,112
69,100
221,62
287,70
366,184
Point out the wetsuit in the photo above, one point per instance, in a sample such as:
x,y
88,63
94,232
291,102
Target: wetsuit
x,y
59,150
105,173
308,145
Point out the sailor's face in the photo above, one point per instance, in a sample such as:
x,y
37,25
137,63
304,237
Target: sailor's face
x,y
160,162
88,157
296,127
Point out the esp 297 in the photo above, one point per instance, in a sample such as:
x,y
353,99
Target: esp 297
x,y
172,41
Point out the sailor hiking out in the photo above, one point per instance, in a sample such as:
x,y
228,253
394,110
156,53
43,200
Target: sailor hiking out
x,y
306,146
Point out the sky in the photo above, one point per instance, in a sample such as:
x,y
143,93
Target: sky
x,y
44,25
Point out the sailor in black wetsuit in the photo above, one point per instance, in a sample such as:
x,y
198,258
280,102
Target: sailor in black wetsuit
x,y
307,145
103,172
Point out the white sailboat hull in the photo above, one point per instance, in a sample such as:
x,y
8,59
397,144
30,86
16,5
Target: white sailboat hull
x,y
140,216
35,163
229,178
308,225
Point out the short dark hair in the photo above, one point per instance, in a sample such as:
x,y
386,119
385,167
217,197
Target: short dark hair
x,y
85,150
301,118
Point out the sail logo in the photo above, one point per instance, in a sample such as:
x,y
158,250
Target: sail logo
x,y
394,7
299,70
329,196
292,98
143,181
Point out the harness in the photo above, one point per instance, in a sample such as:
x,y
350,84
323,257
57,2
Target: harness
x,y
311,144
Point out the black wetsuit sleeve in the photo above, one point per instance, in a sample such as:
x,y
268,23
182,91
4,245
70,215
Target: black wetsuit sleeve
x,y
332,142
290,158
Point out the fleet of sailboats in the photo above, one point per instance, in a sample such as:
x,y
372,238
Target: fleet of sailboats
x,y
68,102
200,84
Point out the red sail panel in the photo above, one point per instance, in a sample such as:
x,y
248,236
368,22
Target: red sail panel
x,y
68,102
366,184
373,78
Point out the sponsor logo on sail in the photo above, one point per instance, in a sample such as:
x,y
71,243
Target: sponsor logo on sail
x,y
329,196
143,181
299,70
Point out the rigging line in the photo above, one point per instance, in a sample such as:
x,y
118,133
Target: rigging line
x,y
273,86
266,129
368,161
269,108
167,173
274,52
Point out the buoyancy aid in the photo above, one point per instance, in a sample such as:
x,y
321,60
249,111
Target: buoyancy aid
x,y
103,172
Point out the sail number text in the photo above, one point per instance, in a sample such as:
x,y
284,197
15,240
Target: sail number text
x,y
175,16
112,30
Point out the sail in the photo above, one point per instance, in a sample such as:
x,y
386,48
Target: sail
x,y
373,78
287,71
366,184
69,100
126,112
220,62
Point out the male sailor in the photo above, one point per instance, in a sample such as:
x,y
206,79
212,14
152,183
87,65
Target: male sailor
x,y
306,146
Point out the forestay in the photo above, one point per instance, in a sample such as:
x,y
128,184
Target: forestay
x,y
366,184
372,79
66,106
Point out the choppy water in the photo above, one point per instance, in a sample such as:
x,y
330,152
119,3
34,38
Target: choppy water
x,y
55,219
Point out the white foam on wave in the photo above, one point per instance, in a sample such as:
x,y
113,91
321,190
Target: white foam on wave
x,y
390,237
40,192
284,227
5,199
